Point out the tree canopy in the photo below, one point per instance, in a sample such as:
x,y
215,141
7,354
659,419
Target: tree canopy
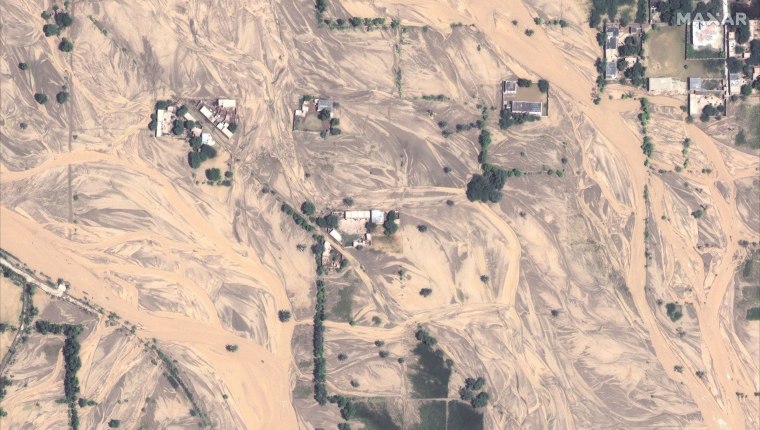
x,y
66,45
62,97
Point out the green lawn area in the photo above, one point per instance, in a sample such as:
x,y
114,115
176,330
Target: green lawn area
x,y
748,123
665,56
342,311
430,375
375,416
462,416
432,416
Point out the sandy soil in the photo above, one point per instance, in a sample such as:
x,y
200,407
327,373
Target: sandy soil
x,y
88,194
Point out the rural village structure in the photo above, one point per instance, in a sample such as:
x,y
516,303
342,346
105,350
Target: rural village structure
x,y
706,40
523,100
223,114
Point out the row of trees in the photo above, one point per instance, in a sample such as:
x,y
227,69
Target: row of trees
x,y
320,364
297,218
176,382
72,362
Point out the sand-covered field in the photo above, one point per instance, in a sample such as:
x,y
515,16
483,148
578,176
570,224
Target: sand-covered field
x,y
556,294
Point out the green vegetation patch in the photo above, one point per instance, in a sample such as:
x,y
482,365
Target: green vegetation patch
x,y
430,375
753,314
432,416
463,417
375,416
748,121
751,270
342,311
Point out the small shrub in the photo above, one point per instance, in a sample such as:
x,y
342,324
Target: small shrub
x,y
342,356
355,383
308,208
66,45
348,201
114,424
284,315
41,98
231,347
379,343
484,279
51,30
213,174
529,32
383,354
426,292
674,311
23,66
422,228
62,97
376,320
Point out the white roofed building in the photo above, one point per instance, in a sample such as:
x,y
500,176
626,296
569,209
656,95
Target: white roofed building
x,y
357,215
226,103
377,216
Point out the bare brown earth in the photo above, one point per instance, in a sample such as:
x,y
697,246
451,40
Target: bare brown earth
x,y
88,194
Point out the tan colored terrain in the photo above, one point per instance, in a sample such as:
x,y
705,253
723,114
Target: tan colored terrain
x,y
89,195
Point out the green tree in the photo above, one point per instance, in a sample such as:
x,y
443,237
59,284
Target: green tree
x,y
232,127
51,30
389,226
66,45
348,201
41,98
114,424
63,19
207,152
746,90
45,15
213,174
196,142
231,347
422,228
62,97
284,315
23,66
426,292
182,110
308,208
543,85
481,400
194,159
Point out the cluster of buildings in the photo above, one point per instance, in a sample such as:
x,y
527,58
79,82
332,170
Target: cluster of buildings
x,y
705,40
522,100
223,114
332,259
354,226
166,120
614,39
316,115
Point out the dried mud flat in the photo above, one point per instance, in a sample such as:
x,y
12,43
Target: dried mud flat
x,y
88,194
